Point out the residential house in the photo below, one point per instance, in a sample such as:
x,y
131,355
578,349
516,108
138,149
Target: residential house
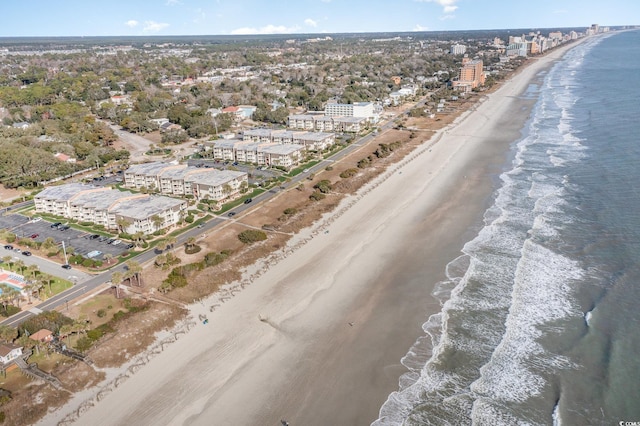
x,y
43,336
9,352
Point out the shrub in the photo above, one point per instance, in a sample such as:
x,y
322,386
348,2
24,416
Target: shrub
x,y
101,313
213,259
290,211
364,163
348,173
84,344
251,236
176,278
317,196
9,310
323,186
188,219
192,249
329,168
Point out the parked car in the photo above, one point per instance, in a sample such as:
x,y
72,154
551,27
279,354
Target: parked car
x,y
66,266
248,200
110,240
63,227
130,246
94,236
231,214
26,253
55,225
36,219
34,236
116,242
8,247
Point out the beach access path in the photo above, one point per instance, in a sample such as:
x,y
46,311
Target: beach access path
x,y
317,339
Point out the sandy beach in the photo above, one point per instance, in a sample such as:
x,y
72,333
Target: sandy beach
x,y
317,338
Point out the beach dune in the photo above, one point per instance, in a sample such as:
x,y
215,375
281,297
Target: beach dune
x,y
317,339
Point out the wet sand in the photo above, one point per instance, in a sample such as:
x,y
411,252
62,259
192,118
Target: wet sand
x,y
317,339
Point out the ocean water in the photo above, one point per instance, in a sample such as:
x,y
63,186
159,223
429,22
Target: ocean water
x,y
540,319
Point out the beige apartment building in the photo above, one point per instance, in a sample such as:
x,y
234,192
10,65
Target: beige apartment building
x,y
181,180
105,206
257,152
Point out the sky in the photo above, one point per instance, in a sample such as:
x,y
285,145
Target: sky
x,y
226,17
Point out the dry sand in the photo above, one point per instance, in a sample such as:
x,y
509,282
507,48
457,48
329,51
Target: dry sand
x,y
341,310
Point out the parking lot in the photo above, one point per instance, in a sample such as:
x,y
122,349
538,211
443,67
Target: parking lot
x,y
81,241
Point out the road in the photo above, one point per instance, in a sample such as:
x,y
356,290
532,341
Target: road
x,y
90,284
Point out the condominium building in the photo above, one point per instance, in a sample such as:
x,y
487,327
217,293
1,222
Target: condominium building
x,y
261,153
471,75
104,206
458,49
315,141
180,179
357,109
328,124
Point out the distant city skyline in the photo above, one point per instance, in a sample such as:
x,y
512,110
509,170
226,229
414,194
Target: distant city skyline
x,y
230,17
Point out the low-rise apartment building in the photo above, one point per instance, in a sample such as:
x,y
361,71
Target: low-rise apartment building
x,y
255,152
314,141
180,179
105,206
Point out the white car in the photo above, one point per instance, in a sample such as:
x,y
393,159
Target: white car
x,y
116,242
36,219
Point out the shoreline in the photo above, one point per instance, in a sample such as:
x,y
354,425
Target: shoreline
x,y
325,340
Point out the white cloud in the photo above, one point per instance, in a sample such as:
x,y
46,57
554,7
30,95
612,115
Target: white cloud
x,y
268,29
153,26
446,17
132,23
173,2
419,27
310,22
448,6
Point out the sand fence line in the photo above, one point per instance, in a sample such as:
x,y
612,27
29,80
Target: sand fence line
x,y
252,273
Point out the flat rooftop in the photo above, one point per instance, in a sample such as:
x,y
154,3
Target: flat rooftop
x,y
63,192
144,208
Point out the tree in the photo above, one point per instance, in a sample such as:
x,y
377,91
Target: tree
x,y
190,243
7,333
122,224
160,260
48,279
108,257
28,343
134,269
116,279
139,238
32,270
19,264
65,331
157,221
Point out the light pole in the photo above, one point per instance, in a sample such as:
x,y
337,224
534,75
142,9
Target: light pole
x,y
64,250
